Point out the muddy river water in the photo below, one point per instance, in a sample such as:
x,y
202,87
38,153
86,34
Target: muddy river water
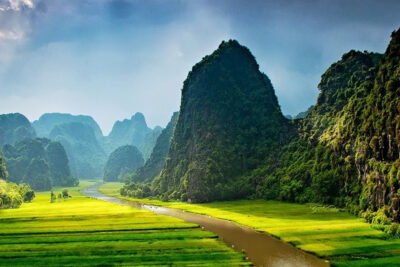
x,y
260,248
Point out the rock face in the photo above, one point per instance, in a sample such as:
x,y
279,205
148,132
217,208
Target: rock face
x,y
156,162
38,162
124,160
14,126
86,155
229,121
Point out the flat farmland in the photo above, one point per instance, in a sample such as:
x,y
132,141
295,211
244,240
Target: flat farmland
x,y
81,231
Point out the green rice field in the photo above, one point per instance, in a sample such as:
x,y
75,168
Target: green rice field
x,y
81,231
335,235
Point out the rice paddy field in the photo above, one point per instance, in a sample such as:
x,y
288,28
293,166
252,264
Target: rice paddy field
x,y
81,231
335,235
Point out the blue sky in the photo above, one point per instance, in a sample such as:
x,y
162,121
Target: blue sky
x,y
112,58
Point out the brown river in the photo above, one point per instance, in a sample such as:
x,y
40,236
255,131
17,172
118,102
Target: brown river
x,y
261,249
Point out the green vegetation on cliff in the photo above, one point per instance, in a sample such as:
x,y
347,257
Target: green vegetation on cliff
x,y
347,149
229,121
125,159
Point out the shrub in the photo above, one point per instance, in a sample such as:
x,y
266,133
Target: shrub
x,y
393,230
52,197
381,217
65,193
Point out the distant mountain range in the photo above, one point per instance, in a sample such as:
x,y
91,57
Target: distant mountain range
x,y
85,144
81,137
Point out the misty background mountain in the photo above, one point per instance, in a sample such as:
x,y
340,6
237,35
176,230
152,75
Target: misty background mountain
x,y
85,144
58,149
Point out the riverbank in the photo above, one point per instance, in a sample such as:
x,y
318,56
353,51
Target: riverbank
x,y
337,236
82,231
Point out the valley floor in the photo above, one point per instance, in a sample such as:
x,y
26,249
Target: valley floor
x,y
81,231
338,236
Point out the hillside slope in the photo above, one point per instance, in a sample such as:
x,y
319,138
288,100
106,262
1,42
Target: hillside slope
x,y
123,160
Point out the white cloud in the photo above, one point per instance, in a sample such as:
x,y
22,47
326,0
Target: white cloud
x,y
15,5
10,35
15,24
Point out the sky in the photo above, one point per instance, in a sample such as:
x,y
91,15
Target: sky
x,y
112,58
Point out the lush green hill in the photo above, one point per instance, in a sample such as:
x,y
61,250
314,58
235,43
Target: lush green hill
x,y
45,124
347,149
229,121
85,153
133,131
38,162
13,127
123,160
156,162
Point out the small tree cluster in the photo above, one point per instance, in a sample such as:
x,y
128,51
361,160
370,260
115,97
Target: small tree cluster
x,y
13,195
63,195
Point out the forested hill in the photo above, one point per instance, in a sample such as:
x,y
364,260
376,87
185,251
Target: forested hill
x,y
38,162
124,160
229,121
347,149
13,127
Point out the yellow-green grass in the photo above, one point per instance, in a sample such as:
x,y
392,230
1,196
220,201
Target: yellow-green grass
x,y
332,234
82,231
